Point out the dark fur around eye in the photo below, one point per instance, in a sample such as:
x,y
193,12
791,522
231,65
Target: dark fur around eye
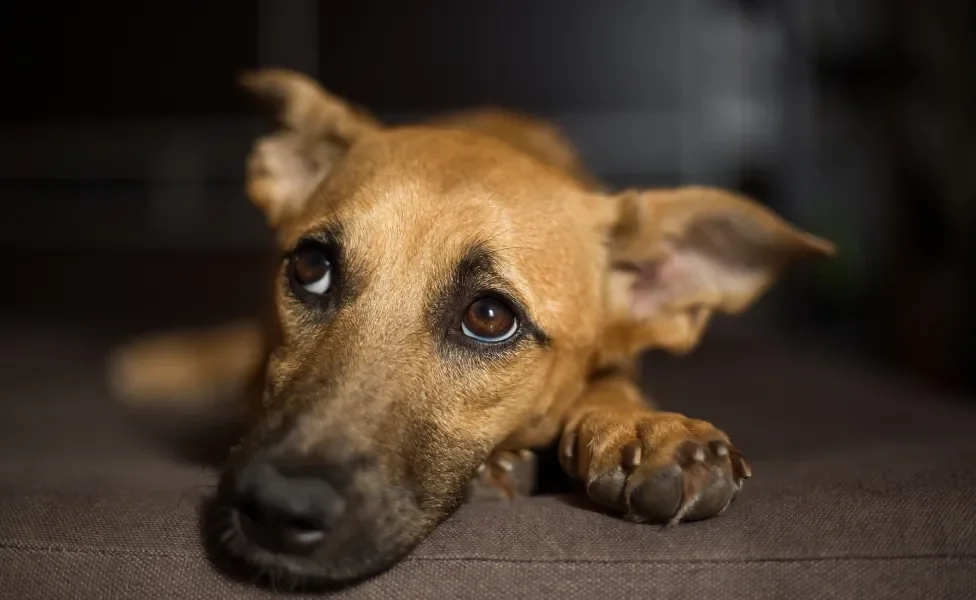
x,y
474,279
344,284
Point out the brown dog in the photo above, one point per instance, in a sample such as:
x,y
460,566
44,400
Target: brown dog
x,y
450,291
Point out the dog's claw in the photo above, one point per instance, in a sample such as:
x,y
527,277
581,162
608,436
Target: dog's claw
x,y
740,467
567,452
718,448
504,476
631,456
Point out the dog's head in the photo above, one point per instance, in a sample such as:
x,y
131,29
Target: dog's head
x,y
441,292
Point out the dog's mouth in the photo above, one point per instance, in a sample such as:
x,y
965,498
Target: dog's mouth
x,y
300,520
284,527
231,550
241,553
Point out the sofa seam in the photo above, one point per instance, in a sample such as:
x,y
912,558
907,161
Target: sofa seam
x,y
704,561
53,549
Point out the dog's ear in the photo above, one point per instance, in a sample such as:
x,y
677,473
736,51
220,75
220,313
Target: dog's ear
x,y
679,255
315,130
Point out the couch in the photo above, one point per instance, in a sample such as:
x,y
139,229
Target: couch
x,y
864,487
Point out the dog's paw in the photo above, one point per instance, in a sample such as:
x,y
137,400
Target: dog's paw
x,y
654,467
504,476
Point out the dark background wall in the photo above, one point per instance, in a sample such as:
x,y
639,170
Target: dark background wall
x,y
123,136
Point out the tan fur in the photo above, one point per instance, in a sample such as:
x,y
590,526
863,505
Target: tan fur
x,y
603,276
188,364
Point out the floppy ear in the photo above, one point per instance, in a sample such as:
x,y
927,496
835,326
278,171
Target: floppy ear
x,y
680,255
315,130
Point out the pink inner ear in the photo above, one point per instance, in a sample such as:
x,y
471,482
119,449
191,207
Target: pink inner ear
x,y
719,261
686,277
655,285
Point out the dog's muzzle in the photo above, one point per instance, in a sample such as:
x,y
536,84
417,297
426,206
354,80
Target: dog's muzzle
x,y
308,521
281,506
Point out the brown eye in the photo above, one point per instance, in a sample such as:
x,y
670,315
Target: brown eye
x,y
312,270
489,320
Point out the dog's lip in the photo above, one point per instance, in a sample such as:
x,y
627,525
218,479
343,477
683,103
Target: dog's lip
x,y
257,564
232,539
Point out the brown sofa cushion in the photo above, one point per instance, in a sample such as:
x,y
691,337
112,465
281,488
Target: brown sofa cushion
x,y
864,487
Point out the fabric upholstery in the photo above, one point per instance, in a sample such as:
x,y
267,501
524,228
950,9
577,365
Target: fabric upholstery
x,y
864,487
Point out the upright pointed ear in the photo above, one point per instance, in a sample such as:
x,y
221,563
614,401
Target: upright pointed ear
x,y
680,255
315,130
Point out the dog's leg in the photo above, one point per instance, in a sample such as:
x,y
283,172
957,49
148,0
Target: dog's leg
x,y
187,369
647,465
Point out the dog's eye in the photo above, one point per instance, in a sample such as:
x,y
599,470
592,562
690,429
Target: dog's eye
x,y
490,320
312,270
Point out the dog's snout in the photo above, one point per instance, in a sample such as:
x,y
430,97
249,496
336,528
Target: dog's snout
x,y
285,510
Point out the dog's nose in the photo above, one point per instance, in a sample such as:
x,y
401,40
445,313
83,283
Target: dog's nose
x,y
283,509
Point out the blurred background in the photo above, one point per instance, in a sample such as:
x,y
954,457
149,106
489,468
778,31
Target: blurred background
x,y
123,139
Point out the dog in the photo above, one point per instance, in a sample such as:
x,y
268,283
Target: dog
x,y
449,295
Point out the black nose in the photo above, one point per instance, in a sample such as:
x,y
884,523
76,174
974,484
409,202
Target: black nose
x,y
284,508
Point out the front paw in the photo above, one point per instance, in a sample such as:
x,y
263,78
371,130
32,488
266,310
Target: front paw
x,y
654,467
504,476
